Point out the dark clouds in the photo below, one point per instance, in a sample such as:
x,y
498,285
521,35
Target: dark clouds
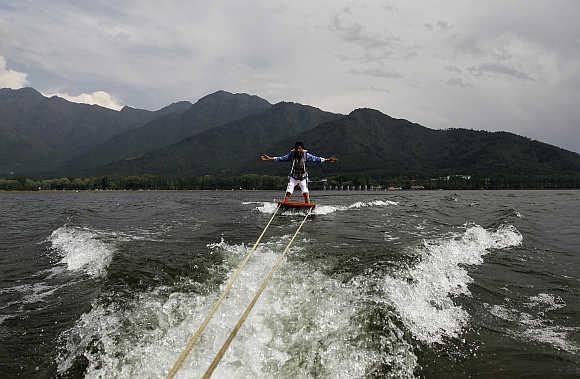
x,y
495,65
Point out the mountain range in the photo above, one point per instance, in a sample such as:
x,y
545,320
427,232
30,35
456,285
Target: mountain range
x,y
224,133
190,119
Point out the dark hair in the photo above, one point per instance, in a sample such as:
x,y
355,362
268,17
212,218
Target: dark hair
x,y
298,144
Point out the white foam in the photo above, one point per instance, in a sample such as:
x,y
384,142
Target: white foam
x,y
80,249
270,207
267,207
423,296
31,293
149,236
5,317
135,234
24,295
301,327
547,301
556,336
536,329
327,209
373,203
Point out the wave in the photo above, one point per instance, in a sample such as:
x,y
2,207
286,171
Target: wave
x,y
305,324
537,329
545,301
24,295
423,295
30,293
77,249
80,249
270,207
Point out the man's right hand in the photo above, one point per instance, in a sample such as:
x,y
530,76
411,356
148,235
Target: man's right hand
x,y
265,157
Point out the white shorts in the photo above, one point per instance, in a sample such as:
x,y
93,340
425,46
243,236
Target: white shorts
x,y
293,182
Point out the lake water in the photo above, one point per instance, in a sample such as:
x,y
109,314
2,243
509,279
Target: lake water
x,y
378,284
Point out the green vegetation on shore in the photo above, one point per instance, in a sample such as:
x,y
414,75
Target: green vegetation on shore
x,y
268,182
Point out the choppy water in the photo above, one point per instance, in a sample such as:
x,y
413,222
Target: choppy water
x,y
406,284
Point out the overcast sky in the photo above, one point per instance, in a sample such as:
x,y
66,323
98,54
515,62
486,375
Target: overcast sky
x,y
494,65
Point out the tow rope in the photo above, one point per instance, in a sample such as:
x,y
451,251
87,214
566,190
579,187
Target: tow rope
x,y
195,338
246,313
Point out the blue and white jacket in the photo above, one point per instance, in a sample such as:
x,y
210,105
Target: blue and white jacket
x,y
298,170
309,157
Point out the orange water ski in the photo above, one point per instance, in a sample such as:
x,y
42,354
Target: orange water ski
x,y
291,205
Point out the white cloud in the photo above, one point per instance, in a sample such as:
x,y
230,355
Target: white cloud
x,y
102,98
10,78
14,79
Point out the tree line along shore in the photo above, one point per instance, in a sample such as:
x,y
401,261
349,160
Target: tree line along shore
x,y
268,182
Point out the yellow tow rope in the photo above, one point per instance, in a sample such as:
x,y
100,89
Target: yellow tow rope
x,y
217,304
244,316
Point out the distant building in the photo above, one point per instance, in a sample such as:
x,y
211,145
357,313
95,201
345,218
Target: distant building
x,y
449,177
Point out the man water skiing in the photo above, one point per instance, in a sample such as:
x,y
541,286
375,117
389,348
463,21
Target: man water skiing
x,y
298,174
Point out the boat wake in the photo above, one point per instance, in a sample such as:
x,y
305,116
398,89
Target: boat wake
x,y
423,295
532,324
306,324
81,250
270,207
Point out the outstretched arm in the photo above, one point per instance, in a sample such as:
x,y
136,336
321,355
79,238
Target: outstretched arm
x,y
283,158
314,158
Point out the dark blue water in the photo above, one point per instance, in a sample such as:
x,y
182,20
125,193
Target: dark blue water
x,y
378,284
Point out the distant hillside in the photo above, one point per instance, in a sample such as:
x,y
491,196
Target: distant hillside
x,y
223,134
366,142
210,111
224,150
37,134
370,142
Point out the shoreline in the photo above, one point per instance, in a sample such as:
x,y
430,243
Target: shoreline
x,y
279,190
